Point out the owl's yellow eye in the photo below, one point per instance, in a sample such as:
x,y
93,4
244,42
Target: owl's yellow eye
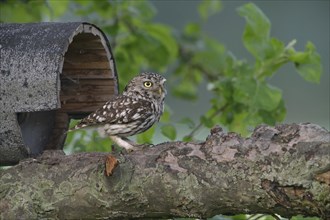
x,y
147,84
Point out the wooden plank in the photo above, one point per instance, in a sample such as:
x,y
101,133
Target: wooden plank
x,y
86,82
86,59
86,44
86,36
85,95
85,64
91,90
88,73
85,98
80,108
61,120
74,52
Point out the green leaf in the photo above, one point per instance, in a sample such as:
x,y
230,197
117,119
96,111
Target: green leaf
x,y
146,137
187,138
210,56
257,30
83,2
207,121
276,115
308,63
15,11
169,131
152,45
188,121
166,115
192,29
267,97
275,57
240,122
57,8
239,217
141,10
300,217
257,95
244,90
276,49
225,89
163,35
208,8
185,90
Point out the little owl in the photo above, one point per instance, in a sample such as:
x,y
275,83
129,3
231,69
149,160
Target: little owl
x,y
134,111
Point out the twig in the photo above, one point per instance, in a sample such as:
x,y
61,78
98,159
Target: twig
x,y
192,133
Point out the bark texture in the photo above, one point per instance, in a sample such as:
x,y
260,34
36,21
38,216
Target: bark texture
x,y
283,169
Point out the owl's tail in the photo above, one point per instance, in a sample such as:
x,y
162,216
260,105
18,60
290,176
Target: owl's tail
x,y
85,122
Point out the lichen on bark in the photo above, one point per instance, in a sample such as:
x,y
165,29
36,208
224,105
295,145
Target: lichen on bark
x,y
282,169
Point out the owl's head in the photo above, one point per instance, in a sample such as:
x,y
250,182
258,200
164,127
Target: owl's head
x,y
149,86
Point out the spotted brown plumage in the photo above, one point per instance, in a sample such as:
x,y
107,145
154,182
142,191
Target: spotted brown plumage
x,y
134,111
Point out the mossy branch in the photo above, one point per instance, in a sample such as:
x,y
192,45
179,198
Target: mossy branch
x,y
283,169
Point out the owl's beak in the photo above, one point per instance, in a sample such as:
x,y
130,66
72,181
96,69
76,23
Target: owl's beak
x,y
162,89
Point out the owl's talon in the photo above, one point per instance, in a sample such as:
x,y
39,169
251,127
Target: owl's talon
x,y
144,146
138,147
124,144
126,151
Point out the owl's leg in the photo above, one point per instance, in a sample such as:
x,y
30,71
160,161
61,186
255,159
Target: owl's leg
x,y
120,142
135,145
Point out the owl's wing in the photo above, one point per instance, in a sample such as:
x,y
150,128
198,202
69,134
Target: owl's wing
x,y
120,110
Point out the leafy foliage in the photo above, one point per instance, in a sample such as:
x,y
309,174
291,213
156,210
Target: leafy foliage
x,y
241,94
208,8
242,97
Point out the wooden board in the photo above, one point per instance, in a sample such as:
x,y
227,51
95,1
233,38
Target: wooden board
x,y
81,108
87,74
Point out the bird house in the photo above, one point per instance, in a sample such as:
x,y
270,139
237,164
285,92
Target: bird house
x,y
50,72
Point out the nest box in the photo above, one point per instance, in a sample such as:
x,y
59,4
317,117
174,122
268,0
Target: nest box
x,y
50,72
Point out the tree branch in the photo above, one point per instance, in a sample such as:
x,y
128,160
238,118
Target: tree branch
x,y
283,169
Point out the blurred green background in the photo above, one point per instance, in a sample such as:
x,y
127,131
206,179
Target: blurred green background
x,y
227,62
216,74
301,20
